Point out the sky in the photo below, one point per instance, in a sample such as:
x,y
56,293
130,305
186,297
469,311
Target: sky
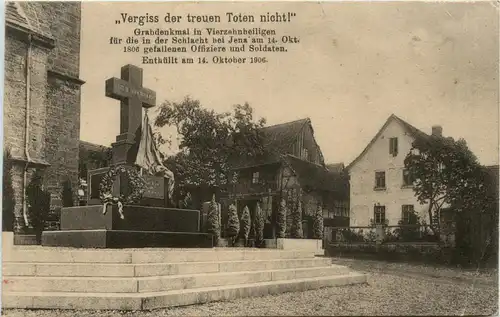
x,y
356,64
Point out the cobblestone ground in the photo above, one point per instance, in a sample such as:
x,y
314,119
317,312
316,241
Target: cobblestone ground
x,y
392,289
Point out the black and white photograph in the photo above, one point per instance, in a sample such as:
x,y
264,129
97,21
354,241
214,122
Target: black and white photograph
x,y
250,158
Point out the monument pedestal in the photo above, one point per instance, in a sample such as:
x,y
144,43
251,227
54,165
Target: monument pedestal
x,y
143,227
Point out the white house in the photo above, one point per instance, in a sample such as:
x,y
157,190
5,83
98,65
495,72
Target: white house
x,y
380,188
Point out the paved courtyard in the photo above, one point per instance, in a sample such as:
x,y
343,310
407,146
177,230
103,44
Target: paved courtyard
x,y
392,289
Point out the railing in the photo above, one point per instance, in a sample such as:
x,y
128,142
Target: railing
x,y
381,234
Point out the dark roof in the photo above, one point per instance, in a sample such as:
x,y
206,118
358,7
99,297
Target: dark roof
x,y
92,147
278,140
316,176
281,137
408,127
335,167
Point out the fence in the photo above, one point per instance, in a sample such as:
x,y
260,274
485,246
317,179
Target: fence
x,y
382,234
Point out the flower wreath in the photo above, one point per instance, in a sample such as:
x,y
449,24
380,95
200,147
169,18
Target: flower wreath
x,y
135,182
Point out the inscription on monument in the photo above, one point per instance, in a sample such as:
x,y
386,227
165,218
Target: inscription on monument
x,y
155,187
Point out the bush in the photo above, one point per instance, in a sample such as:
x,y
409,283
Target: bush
x,y
213,220
296,229
8,199
245,224
259,226
281,217
38,204
67,194
233,223
318,223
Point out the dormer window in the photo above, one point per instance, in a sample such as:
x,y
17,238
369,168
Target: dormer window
x,y
393,146
255,178
305,154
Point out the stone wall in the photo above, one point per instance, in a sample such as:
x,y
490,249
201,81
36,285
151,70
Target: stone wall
x,y
54,87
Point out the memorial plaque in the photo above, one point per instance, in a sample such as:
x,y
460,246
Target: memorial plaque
x,y
155,187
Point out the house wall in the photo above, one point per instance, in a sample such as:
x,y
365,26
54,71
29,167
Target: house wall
x,y
362,180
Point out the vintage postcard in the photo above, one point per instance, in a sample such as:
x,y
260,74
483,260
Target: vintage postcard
x,y
250,158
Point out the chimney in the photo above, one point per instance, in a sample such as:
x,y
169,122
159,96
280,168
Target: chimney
x,y
437,130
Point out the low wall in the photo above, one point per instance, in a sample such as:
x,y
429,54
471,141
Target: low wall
x,y
300,244
25,239
397,251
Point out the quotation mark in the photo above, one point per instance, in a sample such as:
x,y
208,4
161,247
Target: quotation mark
x,y
117,21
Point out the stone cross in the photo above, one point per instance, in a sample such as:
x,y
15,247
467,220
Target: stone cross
x,y
133,97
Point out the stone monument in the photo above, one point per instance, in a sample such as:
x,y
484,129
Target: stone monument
x,y
148,223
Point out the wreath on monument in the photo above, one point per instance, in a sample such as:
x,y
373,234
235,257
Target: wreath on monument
x,y
136,185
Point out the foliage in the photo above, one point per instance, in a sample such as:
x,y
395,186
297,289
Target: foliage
x,y
318,223
38,203
8,198
445,172
136,186
98,159
233,223
209,142
245,223
67,194
259,225
281,217
296,229
213,219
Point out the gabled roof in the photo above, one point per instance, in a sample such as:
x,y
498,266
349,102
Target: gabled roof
x,y
279,140
408,127
335,167
281,137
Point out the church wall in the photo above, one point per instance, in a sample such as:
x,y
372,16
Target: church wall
x,y
63,92
14,108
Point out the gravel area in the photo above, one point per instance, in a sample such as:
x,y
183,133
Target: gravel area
x,y
385,294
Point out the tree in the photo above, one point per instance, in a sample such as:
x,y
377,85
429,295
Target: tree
x,y
281,217
259,226
318,223
38,204
296,229
445,173
8,198
245,224
213,220
233,223
210,143
67,194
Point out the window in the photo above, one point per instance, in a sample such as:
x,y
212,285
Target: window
x,y
305,154
407,178
393,146
379,215
379,179
255,177
408,214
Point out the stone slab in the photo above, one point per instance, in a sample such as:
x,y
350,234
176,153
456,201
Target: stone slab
x,y
137,218
314,245
154,300
125,239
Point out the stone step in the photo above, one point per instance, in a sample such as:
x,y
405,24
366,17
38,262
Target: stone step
x,y
159,283
153,269
152,300
154,255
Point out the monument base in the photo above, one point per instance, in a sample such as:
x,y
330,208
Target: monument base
x,y
141,227
102,238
